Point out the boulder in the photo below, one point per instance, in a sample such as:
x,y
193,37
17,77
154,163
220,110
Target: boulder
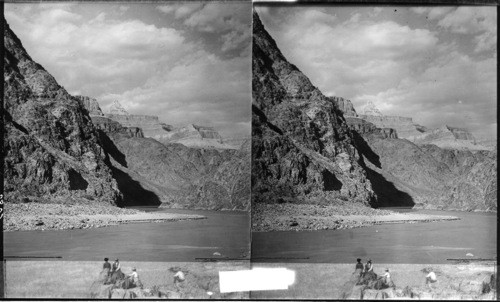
x,y
101,291
372,294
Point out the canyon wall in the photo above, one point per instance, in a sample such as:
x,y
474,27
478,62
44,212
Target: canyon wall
x,y
90,104
51,148
404,126
301,145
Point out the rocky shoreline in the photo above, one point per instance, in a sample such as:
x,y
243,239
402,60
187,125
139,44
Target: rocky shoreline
x,y
36,216
302,217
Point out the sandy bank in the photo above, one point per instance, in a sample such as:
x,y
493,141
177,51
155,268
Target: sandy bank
x,y
299,217
330,281
34,216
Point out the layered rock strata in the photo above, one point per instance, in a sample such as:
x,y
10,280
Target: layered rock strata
x,y
51,147
404,126
301,144
90,104
194,136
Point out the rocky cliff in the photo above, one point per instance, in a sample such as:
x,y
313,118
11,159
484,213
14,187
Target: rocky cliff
x,y
404,126
90,104
301,144
449,138
371,110
117,108
344,105
426,176
194,136
173,175
51,147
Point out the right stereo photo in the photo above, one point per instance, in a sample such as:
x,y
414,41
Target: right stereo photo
x,y
374,150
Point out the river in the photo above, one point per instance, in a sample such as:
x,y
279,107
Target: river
x,y
226,233
417,243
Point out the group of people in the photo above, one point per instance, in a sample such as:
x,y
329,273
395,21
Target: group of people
x,y
114,273
366,274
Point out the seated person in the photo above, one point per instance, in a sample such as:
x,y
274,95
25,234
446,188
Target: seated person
x,y
430,278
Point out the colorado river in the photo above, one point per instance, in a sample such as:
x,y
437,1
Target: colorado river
x,y
226,233
433,242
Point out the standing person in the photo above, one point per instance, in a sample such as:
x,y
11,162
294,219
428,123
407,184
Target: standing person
x,y
430,278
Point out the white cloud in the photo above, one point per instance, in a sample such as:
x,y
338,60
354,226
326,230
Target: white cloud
x,y
150,69
180,10
420,70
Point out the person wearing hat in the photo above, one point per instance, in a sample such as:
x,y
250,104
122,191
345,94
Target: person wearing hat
x,y
116,273
369,266
386,278
116,266
132,279
106,264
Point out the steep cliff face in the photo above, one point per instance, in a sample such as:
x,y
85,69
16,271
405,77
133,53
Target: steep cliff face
x,y
344,105
434,178
404,126
51,146
90,104
301,145
173,175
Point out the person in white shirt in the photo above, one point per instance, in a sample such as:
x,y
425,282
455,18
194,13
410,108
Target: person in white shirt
x,y
134,276
430,278
179,277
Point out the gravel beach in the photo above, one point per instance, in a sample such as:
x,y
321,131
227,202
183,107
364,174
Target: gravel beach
x,y
36,216
300,217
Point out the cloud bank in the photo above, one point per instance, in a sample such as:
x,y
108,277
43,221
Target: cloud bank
x,y
186,63
435,64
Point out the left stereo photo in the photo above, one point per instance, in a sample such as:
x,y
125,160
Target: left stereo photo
x,y
127,148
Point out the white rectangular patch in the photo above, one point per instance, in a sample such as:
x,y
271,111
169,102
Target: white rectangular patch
x,y
256,279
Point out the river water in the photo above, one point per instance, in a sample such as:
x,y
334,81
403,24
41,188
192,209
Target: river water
x,y
226,233
417,243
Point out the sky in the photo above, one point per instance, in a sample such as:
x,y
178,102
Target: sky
x,y
184,62
436,64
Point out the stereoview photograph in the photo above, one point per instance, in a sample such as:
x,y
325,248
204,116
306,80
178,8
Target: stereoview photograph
x,y
127,148
374,152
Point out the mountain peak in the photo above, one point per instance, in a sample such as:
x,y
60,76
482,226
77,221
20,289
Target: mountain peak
x,y
371,109
117,108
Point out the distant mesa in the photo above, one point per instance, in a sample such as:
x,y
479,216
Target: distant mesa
x,y
445,137
193,136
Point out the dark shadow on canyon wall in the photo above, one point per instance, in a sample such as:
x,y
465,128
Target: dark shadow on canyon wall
x,y
133,192
110,148
387,193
